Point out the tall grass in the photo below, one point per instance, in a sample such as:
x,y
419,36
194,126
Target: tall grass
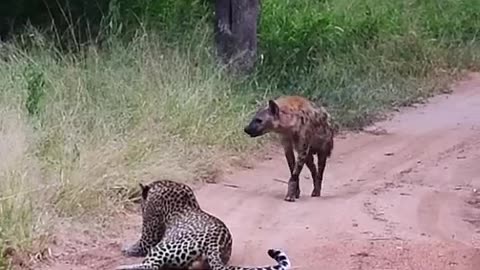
x,y
362,57
19,184
78,131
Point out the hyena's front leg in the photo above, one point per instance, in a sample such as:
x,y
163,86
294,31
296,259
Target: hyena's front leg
x,y
293,183
290,157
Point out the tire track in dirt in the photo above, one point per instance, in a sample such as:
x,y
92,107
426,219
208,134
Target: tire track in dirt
x,y
401,200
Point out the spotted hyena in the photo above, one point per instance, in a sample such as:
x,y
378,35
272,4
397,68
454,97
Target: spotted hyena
x,y
303,127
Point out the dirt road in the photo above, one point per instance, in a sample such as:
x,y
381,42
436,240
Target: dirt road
x,y
404,198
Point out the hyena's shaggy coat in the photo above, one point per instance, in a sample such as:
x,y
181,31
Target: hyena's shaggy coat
x,y
304,127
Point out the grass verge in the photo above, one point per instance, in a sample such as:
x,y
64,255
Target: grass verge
x,y
79,131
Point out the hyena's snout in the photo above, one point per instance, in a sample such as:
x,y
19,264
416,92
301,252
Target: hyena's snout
x,y
248,130
252,131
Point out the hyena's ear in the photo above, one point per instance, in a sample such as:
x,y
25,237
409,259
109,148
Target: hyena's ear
x,y
273,107
144,190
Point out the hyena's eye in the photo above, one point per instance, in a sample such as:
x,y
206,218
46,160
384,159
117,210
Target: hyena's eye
x,y
258,120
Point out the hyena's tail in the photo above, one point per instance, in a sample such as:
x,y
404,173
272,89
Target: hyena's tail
x,y
329,149
335,128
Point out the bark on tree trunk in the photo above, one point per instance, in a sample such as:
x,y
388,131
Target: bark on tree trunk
x,y
236,33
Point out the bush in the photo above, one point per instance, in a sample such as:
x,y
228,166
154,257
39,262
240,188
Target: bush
x,y
79,131
361,57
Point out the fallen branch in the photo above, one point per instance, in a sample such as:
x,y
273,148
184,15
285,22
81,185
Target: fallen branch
x,y
384,238
280,180
231,185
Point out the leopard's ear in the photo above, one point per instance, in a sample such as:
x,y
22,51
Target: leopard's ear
x,y
144,189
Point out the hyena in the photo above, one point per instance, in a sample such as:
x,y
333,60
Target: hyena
x,y
303,127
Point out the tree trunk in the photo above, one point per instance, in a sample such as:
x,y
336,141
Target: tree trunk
x,y
236,33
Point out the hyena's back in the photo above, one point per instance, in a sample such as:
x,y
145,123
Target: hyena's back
x,y
305,118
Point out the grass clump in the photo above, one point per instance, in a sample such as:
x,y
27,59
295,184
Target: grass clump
x,y
21,185
82,130
362,57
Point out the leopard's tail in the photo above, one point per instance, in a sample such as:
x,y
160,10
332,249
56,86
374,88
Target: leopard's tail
x,y
138,266
283,263
281,258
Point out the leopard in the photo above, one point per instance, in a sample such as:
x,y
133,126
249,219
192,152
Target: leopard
x,y
178,234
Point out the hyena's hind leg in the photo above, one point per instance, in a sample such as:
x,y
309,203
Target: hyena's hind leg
x,y
313,170
323,154
317,182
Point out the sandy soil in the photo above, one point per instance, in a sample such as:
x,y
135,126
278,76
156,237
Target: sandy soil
x,y
401,196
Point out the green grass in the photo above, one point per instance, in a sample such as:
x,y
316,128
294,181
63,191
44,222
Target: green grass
x,y
362,57
79,131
